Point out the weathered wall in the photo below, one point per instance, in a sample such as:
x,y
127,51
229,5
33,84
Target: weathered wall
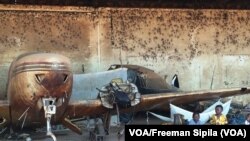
x,y
208,49
72,34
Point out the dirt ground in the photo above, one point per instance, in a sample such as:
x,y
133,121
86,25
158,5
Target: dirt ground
x,y
116,132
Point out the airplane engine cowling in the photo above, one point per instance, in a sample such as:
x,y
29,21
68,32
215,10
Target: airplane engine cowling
x,y
124,95
35,78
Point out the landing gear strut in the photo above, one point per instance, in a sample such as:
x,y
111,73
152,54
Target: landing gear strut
x,y
49,110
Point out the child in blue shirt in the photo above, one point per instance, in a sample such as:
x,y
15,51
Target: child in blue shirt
x,y
196,119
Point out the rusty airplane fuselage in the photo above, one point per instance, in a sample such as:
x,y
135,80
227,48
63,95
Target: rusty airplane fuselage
x,y
33,77
40,87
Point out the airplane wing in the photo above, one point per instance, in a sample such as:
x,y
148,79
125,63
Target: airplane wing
x,y
97,107
84,108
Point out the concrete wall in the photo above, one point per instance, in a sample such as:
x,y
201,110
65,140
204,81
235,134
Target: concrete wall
x,y
208,49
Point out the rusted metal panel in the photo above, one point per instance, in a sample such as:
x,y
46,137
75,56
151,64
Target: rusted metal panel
x,y
33,77
191,43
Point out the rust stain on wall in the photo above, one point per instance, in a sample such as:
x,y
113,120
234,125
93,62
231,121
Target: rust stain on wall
x,y
184,33
31,31
190,43
195,44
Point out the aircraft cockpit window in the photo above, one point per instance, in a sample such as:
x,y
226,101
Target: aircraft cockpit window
x,y
142,80
40,77
65,78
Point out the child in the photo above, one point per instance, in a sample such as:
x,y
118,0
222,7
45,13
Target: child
x,y
247,122
218,118
195,120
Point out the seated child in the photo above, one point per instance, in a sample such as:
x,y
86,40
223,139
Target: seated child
x,y
247,121
218,118
195,120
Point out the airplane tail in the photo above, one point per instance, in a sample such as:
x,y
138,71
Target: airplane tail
x,y
175,81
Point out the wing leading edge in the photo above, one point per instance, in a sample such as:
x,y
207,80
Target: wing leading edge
x,y
94,108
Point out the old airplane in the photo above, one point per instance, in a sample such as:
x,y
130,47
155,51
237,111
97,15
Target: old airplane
x,y
39,93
